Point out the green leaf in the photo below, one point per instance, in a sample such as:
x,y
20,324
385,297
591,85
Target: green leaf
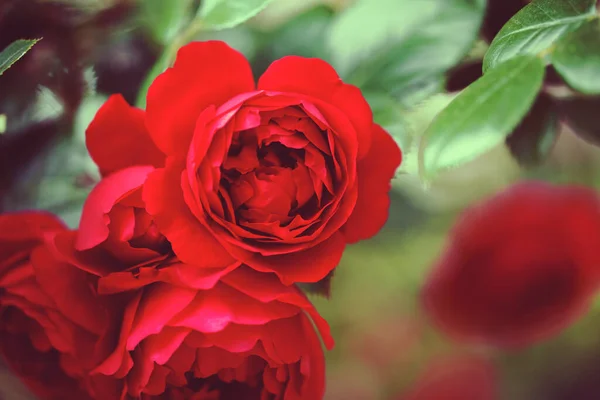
x,y
481,117
14,51
577,58
537,27
410,64
369,24
416,121
221,14
164,19
2,123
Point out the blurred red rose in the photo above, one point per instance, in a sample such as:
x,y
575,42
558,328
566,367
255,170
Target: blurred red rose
x,y
43,331
279,177
519,267
455,378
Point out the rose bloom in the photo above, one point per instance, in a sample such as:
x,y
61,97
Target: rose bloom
x,y
44,331
519,267
455,378
279,175
174,334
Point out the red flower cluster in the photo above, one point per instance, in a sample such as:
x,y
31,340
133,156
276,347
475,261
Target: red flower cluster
x,y
180,281
92,325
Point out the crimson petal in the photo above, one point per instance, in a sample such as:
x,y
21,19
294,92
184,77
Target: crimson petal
x,y
204,74
374,173
117,138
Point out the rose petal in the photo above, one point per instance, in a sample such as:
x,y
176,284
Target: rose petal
x,y
119,362
159,304
190,240
315,77
310,265
20,231
117,138
93,227
213,310
184,275
268,288
374,173
159,348
204,74
70,289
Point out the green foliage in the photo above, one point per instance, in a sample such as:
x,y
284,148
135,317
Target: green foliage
x,y
537,27
222,14
311,26
381,22
482,116
577,58
58,188
416,121
164,19
404,53
564,32
14,51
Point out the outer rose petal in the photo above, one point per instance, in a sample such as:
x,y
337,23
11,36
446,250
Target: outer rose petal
x,y
183,275
315,77
25,227
117,138
40,342
21,232
204,74
310,265
93,227
191,241
375,172
152,337
39,371
70,288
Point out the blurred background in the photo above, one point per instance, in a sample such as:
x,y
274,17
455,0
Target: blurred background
x,y
410,57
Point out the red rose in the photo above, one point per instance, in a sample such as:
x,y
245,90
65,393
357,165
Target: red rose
x,y
243,334
43,332
279,176
456,378
519,267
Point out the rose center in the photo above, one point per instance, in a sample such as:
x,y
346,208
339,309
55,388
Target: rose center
x,y
277,175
